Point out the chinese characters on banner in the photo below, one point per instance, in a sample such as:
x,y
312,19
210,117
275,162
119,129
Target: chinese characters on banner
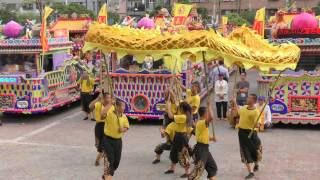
x,y
180,13
259,21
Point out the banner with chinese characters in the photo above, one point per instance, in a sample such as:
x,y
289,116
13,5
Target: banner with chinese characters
x,y
103,14
259,21
180,13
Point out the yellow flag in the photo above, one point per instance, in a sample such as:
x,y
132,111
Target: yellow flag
x,y
259,21
103,14
260,14
224,20
47,12
43,33
181,9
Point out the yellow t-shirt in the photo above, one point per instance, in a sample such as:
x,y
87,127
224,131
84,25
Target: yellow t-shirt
x,y
113,124
85,87
170,130
247,117
98,106
202,132
193,101
174,108
180,121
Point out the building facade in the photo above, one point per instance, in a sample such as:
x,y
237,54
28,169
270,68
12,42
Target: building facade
x,y
228,6
29,6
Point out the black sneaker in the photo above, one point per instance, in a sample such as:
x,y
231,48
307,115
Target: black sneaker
x,y
96,163
184,176
156,161
93,119
256,168
86,118
169,171
249,176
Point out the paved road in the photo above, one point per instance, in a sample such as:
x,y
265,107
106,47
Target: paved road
x,y
60,146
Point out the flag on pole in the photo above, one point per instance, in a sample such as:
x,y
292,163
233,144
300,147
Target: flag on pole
x,y
259,21
43,32
180,13
103,14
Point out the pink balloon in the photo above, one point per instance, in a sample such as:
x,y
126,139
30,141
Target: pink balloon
x,y
146,23
304,21
12,29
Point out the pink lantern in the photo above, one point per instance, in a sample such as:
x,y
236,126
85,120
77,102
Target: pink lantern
x,y
304,21
146,23
12,29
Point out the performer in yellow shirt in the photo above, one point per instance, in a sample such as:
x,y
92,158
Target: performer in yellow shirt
x,y
169,98
179,149
193,98
250,147
100,103
86,86
167,133
116,124
203,157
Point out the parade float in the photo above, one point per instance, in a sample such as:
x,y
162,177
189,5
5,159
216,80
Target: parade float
x,y
143,90
33,81
75,27
296,98
141,83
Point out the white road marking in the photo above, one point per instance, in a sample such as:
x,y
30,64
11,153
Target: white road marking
x,y
49,145
44,128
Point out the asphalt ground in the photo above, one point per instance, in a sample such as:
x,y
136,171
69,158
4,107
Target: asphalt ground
x,y
60,146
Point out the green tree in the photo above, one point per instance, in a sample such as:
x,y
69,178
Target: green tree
x,y
317,10
248,15
204,14
113,18
7,13
185,1
21,17
236,19
72,8
155,11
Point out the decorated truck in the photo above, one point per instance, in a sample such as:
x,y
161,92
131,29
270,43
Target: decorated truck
x,y
32,81
296,98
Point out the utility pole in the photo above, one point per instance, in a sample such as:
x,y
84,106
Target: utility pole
x,y
219,9
214,8
239,6
40,7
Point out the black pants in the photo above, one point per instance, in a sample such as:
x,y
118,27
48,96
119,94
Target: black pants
x,y
180,141
112,154
203,160
222,108
99,133
162,147
250,148
86,99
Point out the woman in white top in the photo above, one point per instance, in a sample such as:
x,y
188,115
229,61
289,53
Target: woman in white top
x,y
266,116
221,97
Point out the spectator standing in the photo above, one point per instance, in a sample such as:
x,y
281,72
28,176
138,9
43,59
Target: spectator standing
x,y
242,89
221,97
220,69
266,117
